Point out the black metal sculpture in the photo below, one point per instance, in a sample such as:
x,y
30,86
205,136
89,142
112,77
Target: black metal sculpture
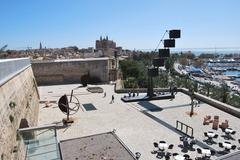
x,y
69,105
153,70
160,60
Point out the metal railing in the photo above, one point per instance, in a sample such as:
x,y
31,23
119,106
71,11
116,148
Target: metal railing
x,y
51,126
187,128
11,67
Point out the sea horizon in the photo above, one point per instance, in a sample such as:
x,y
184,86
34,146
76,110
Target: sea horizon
x,y
198,51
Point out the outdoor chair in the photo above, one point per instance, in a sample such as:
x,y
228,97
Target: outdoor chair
x,y
167,157
220,145
186,156
155,144
205,134
207,120
156,149
239,144
213,153
234,132
138,155
181,138
199,151
233,147
185,144
175,154
191,144
170,146
224,125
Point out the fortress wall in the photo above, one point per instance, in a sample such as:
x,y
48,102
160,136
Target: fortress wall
x,y
20,89
70,71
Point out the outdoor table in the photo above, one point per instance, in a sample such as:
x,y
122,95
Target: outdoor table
x,y
211,134
227,145
206,152
228,130
163,146
179,157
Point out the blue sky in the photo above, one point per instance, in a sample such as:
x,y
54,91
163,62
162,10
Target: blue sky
x,y
132,24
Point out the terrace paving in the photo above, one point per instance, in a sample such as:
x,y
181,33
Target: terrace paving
x,y
135,125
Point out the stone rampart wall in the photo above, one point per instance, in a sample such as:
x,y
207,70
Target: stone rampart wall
x,y
19,99
63,72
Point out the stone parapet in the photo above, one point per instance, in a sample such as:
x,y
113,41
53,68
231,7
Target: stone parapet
x,y
11,67
217,104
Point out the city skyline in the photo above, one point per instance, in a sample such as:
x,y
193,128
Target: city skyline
x,y
132,25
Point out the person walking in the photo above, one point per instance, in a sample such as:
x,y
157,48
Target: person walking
x,y
104,95
112,99
199,103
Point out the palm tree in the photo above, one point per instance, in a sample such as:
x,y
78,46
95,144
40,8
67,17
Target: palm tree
x,y
224,92
207,87
192,104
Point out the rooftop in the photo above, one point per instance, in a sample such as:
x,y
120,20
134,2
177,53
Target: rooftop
x,y
137,124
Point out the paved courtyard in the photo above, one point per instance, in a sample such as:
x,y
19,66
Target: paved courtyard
x,y
136,125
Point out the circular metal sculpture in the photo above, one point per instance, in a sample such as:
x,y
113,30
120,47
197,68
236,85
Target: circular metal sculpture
x,y
69,105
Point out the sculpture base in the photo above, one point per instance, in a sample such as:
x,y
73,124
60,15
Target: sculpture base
x,y
147,98
191,114
66,121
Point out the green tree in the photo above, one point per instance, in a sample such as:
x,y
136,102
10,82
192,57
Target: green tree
x,y
195,86
183,61
234,100
129,68
131,82
206,88
224,91
169,64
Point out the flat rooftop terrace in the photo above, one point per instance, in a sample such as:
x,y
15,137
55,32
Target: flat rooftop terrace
x,y
136,123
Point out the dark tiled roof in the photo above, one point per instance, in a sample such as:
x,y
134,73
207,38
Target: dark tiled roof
x,y
100,146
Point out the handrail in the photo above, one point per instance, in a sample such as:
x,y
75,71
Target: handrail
x,y
54,126
187,128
